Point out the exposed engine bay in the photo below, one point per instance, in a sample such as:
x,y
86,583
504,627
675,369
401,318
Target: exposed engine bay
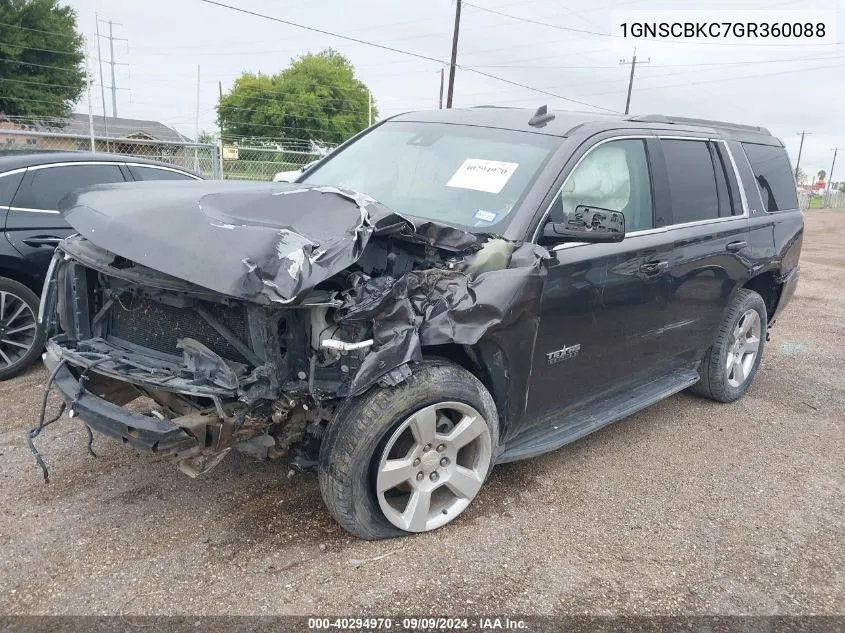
x,y
246,315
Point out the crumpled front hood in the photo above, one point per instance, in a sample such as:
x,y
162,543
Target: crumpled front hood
x,y
266,242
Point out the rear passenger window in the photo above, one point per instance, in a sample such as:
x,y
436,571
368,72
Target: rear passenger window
x,y
151,173
43,188
773,175
693,187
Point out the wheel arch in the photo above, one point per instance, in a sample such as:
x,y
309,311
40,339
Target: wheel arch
x,y
12,269
769,286
487,362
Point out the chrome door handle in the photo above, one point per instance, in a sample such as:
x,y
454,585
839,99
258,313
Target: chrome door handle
x,y
35,242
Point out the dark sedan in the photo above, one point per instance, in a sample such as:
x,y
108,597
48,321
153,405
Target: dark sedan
x,y
31,186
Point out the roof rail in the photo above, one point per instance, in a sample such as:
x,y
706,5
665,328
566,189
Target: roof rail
x,y
671,120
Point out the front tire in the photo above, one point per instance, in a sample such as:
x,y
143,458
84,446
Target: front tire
x,y
409,458
729,366
21,340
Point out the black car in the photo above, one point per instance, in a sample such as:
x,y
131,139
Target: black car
x,y
447,291
31,186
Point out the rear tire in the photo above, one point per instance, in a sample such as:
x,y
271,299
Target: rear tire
x,y
376,454
21,339
729,366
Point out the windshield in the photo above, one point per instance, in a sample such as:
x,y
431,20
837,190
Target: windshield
x,y
465,176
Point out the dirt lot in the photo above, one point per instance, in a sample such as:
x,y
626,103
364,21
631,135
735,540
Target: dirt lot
x,y
687,507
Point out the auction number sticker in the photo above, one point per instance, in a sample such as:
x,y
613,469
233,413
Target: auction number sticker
x,y
350,624
478,174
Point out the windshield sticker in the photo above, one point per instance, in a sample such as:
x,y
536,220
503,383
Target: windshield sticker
x,y
485,216
482,175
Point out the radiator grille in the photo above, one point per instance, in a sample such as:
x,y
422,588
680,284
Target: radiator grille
x,y
156,326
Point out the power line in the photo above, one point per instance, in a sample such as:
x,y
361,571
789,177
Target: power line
x,y
710,81
33,83
15,61
691,65
40,50
56,102
321,31
682,73
395,50
25,28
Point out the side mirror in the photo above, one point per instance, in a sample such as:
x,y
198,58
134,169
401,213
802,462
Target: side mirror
x,y
587,224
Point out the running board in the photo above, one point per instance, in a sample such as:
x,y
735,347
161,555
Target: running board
x,y
553,432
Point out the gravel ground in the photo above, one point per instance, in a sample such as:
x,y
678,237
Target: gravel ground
x,y
689,507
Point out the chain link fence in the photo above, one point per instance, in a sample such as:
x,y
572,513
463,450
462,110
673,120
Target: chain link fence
x,y
264,159
203,159
231,159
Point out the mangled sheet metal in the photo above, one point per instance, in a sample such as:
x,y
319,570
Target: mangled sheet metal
x,y
264,242
440,306
274,243
344,292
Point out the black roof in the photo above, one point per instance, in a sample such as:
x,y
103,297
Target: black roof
x,y
17,160
566,122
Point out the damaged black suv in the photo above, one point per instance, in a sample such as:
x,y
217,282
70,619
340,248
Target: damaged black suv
x,y
447,291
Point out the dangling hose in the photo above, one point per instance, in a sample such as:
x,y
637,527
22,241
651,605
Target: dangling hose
x,y
32,434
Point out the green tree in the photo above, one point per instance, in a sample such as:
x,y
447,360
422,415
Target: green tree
x,y
317,98
209,138
42,57
821,175
800,176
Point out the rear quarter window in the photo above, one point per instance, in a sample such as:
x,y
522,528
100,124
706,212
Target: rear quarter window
x,y
773,176
8,186
153,173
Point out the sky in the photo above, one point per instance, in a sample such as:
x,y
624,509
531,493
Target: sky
x,y
786,88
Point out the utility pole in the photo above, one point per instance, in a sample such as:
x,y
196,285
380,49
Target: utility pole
x,y
369,108
442,74
800,149
633,62
832,165
102,85
113,82
220,129
454,59
88,81
197,124
111,62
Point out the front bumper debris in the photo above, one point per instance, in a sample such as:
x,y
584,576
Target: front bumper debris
x,y
144,432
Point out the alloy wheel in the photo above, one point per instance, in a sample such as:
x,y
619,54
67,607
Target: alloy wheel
x,y
18,329
743,347
433,466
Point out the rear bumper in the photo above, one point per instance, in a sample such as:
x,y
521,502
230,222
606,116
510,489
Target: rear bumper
x,y
145,433
789,282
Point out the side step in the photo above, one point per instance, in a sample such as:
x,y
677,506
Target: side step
x,y
553,432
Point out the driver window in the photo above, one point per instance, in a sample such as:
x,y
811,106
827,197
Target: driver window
x,y
614,176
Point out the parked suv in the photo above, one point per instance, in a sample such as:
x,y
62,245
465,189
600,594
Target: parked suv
x,y
447,291
31,186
